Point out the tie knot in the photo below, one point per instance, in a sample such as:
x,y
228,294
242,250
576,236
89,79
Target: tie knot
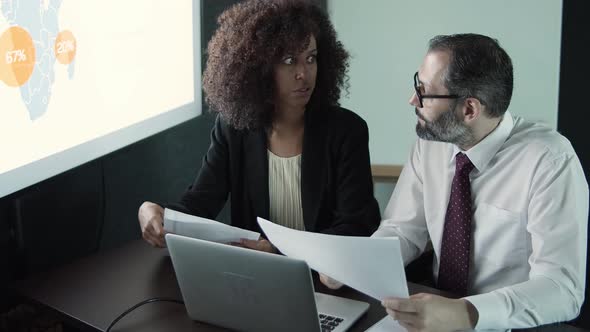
x,y
463,164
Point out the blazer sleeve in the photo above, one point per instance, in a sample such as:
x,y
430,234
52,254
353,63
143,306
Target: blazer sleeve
x,y
356,210
208,194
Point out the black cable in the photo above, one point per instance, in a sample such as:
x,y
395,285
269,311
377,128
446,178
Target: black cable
x,y
155,299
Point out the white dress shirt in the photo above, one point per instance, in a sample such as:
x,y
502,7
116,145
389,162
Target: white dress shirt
x,y
530,214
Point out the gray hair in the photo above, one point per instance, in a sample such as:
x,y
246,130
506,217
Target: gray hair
x,y
478,68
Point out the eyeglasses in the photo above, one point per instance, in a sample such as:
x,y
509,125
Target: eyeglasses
x,y
419,87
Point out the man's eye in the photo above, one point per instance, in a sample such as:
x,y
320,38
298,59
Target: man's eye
x,y
421,88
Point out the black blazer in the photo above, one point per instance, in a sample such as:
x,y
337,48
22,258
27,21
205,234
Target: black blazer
x,y
336,183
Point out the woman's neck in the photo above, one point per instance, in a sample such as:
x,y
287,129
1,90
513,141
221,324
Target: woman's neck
x,y
288,119
286,136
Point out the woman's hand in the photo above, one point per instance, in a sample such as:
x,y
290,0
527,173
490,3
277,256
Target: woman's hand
x,y
260,245
329,282
151,218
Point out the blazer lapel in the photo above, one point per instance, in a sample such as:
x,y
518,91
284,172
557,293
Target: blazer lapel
x,y
312,169
256,157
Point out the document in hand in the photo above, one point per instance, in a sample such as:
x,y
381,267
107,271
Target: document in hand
x,y
372,266
387,324
204,229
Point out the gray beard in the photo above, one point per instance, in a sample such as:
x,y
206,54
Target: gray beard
x,y
446,128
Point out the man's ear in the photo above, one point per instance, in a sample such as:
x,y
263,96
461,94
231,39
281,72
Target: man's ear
x,y
472,109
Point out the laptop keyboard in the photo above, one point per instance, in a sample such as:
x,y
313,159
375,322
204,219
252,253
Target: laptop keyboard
x,y
329,323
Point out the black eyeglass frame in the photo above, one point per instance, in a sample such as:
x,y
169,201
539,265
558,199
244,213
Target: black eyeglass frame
x,y
421,96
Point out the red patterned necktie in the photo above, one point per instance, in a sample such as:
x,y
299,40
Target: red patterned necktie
x,y
456,241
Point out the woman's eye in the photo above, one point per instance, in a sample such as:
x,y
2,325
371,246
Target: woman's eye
x,y
288,60
311,59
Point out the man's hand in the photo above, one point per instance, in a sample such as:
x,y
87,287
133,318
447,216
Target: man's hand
x,y
329,282
150,217
260,245
428,312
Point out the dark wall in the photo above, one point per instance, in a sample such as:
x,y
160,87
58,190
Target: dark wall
x,y
158,169
573,89
573,86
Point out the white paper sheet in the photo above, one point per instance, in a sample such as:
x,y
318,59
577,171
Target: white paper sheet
x,y
387,324
370,265
205,229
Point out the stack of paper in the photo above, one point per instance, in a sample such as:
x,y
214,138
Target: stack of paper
x,y
205,229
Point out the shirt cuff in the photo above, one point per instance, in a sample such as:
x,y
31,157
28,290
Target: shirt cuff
x,y
491,309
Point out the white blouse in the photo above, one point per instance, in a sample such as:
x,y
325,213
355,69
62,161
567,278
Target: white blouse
x,y
284,188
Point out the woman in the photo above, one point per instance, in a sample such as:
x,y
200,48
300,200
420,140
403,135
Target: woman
x,y
281,146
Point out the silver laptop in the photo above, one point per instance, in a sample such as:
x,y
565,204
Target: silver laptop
x,y
248,290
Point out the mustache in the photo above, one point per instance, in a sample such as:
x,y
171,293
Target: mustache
x,y
420,115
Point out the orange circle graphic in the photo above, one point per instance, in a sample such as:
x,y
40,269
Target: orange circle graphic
x,y
65,47
17,56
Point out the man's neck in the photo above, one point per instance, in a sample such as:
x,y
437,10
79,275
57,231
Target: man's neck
x,y
482,130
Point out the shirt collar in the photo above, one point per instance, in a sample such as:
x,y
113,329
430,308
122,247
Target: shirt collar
x,y
481,154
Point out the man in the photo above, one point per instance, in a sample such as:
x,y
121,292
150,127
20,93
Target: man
x,y
503,201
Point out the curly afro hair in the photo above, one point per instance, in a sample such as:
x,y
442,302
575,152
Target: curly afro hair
x,y
251,38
